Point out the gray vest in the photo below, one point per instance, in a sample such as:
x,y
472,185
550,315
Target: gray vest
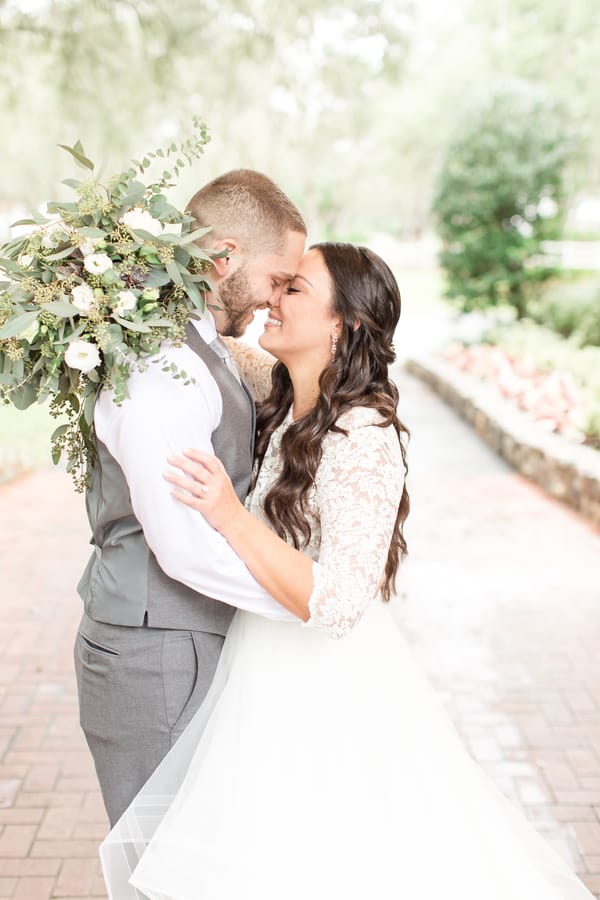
x,y
123,583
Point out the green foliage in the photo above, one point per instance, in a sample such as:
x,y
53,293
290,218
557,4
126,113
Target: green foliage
x,y
572,309
94,291
500,194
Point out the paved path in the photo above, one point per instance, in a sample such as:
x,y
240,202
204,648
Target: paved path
x,y
502,603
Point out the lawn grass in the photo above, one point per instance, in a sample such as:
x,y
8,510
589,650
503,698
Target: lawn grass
x,y
25,436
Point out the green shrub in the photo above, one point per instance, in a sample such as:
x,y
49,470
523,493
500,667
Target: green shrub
x,y
572,309
499,195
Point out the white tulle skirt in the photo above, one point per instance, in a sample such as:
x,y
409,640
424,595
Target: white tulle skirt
x,y
325,770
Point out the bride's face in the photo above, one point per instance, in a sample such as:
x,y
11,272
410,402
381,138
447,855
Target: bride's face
x,y
301,323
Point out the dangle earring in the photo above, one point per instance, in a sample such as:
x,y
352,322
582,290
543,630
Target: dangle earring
x,y
334,341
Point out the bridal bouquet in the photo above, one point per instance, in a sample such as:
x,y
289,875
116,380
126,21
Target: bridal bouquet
x,y
94,288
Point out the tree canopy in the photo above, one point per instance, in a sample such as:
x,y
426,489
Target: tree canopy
x,y
349,105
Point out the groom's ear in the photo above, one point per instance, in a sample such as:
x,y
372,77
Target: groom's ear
x,y
226,247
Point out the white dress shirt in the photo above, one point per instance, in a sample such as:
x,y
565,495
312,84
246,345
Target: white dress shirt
x,y
163,416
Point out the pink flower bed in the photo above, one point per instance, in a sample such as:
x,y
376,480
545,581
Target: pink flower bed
x,y
553,399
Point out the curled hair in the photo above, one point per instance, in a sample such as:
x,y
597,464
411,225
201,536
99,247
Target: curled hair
x,y
364,291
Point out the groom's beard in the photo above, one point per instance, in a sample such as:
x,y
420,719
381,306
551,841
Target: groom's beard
x,y
235,296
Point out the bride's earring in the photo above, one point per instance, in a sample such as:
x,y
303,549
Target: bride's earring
x,y
334,341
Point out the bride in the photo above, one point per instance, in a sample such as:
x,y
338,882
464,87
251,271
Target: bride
x,y
320,766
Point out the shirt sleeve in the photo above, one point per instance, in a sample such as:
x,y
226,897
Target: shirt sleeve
x,y
358,489
161,417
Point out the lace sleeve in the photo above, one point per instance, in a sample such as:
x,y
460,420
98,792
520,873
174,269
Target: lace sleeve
x,y
358,489
254,365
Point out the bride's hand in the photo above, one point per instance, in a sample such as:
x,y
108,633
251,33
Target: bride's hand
x,y
209,490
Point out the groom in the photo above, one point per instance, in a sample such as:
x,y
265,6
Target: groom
x,y
151,634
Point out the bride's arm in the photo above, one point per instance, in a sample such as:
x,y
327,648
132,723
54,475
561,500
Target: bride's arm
x,y
359,485
254,365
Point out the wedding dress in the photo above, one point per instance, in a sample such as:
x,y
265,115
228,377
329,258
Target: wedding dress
x,y
321,765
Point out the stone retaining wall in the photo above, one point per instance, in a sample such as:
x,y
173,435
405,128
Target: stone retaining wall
x,y
568,471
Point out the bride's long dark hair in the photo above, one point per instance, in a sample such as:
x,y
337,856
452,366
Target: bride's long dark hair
x,y
367,300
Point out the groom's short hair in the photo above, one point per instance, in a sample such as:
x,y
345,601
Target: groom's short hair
x,y
248,206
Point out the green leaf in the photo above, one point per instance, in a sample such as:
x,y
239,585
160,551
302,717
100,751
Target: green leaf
x,y
53,206
62,308
10,267
79,156
175,272
26,222
60,254
24,396
72,183
96,233
58,432
88,408
193,292
135,193
18,324
161,323
193,235
131,326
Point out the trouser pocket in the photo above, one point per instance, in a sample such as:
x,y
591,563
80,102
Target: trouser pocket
x,y
99,648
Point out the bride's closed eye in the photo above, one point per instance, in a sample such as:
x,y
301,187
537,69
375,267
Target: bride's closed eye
x,y
293,290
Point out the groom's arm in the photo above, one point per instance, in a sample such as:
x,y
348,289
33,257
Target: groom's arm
x,y
161,416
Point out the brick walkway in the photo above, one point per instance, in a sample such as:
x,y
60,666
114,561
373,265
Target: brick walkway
x,y
501,602
51,813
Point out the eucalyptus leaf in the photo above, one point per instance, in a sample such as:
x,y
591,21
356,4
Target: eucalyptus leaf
x,y
78,155
135,193
53,206
23,396
10,267
61,308
26,222
58,432
60,254
194,235
15,326
74,334
193,292
156,278
132,326
95,233
175,272
88,409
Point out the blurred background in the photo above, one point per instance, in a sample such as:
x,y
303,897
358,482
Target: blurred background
x,y
459,138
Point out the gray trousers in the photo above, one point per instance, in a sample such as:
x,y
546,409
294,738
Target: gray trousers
x,y
138,689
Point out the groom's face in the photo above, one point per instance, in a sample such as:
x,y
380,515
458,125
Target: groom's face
x,y
257,281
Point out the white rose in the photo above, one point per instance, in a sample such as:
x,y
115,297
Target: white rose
x,y
87,247
30,333
127,301
25,260
97,263
82,355
141,218
83,297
